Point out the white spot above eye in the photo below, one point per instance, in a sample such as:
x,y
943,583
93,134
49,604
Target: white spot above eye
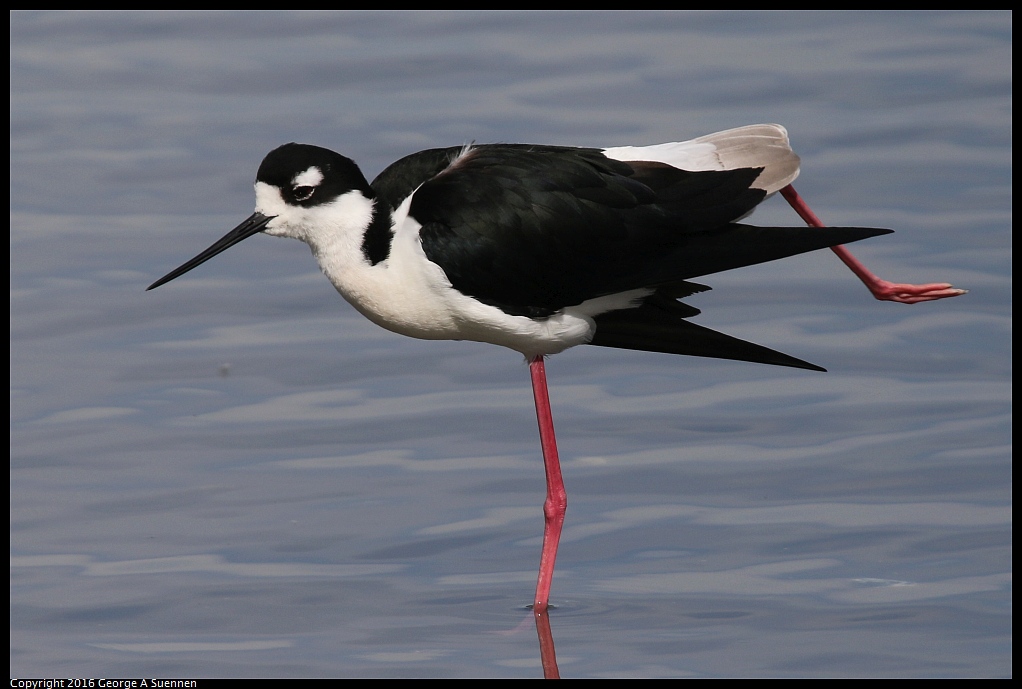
x,y
310,178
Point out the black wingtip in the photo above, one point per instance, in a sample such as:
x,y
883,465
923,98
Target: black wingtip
x,y
737,246
651,329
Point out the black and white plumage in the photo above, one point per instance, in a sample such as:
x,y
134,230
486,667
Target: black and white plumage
x,y
539,248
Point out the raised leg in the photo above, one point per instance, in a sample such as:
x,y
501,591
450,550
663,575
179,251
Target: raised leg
x,y
556,498
881,289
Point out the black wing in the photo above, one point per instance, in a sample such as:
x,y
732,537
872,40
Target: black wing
x,y
533,229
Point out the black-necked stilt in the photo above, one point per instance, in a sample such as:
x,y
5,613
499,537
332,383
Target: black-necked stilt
x,y
541,248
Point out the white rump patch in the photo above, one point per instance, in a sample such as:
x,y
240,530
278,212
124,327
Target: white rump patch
x,y
758,145
684,155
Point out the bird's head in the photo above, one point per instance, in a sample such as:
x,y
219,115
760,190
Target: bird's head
x,y
303,192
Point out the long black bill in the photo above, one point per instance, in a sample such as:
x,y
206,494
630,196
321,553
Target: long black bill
x,y
253,223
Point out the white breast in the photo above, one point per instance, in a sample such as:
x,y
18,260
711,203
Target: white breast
x,y
409,294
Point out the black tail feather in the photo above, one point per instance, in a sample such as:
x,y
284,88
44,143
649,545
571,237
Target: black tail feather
x,y
651,328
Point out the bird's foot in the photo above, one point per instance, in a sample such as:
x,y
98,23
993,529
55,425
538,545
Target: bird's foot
x,y
883,290
912,294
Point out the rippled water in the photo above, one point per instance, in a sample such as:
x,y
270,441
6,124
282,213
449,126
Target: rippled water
x,y
237,475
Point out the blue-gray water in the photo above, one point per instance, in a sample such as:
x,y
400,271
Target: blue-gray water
x,y
238,475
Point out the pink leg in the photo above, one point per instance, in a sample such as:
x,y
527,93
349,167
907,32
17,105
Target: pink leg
x,y
556,498
547,654
881,289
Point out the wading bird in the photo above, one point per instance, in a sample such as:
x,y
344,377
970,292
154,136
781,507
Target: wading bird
x,y
541,248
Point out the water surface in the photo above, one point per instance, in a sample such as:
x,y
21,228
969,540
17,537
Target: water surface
x,y
238,475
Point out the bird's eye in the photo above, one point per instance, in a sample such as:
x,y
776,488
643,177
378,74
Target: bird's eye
x,y
304,193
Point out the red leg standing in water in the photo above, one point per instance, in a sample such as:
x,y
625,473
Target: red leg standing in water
x,y
556,498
